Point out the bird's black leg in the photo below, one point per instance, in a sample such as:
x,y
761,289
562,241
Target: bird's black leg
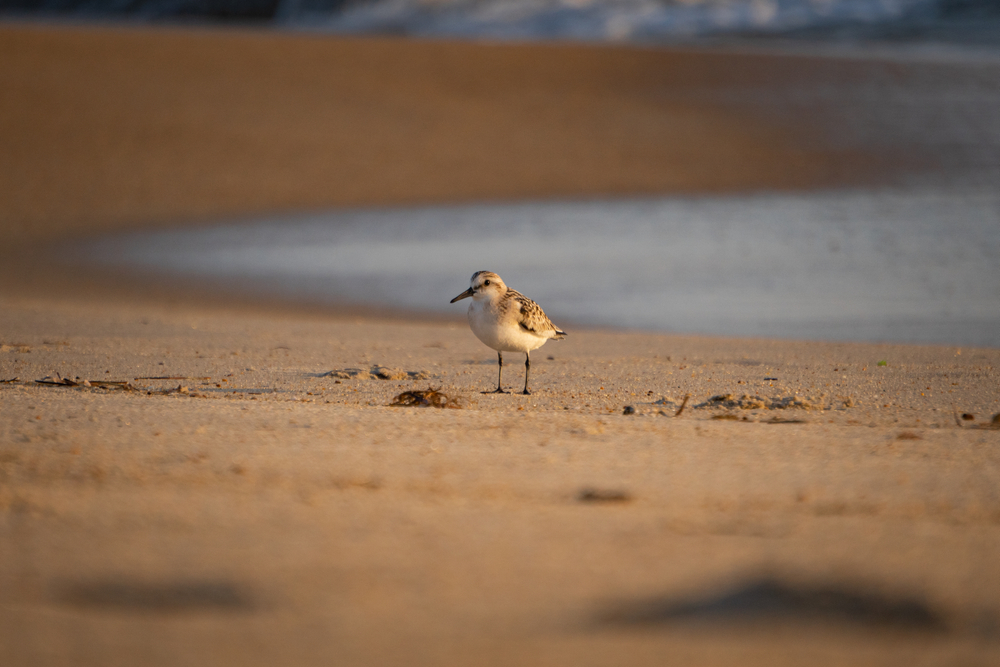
x,y
499,389
527,369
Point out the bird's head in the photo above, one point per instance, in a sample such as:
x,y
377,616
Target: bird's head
x,y
484,285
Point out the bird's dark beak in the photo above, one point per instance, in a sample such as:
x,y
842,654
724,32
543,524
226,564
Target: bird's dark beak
x,y
466,293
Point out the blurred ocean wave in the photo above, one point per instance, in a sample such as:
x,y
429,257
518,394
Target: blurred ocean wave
x,y
606,19
976,21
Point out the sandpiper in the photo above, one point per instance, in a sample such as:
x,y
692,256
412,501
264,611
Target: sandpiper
x,y
507,321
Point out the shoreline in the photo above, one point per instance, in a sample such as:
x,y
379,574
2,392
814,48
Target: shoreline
x,y
903,265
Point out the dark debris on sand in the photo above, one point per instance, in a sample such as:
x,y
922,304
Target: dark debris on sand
x,y
424,398
58,381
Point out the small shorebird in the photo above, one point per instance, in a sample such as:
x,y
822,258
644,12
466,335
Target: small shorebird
x,y
507,321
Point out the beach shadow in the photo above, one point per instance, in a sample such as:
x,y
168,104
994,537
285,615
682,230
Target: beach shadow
x,y
172,597
772,601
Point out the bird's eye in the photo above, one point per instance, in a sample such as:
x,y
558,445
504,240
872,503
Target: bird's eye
x,y
486,283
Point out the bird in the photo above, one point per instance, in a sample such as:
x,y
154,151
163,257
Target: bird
x,y
507,321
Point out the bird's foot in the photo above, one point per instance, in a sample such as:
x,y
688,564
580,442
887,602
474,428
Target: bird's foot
x,y
498,390
526,392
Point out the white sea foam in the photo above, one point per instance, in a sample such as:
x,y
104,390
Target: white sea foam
x,y
616,20
954,21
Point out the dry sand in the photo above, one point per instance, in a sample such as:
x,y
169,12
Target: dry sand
x,y
274,514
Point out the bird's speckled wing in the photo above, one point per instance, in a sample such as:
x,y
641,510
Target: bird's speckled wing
x,y
531,317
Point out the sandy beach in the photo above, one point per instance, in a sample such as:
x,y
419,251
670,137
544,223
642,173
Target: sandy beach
x,y
194,479
255,509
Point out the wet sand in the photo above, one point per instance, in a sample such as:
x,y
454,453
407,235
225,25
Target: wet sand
x,y
834,509
105,129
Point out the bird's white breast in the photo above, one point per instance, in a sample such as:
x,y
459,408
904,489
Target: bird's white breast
x,y
500,330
